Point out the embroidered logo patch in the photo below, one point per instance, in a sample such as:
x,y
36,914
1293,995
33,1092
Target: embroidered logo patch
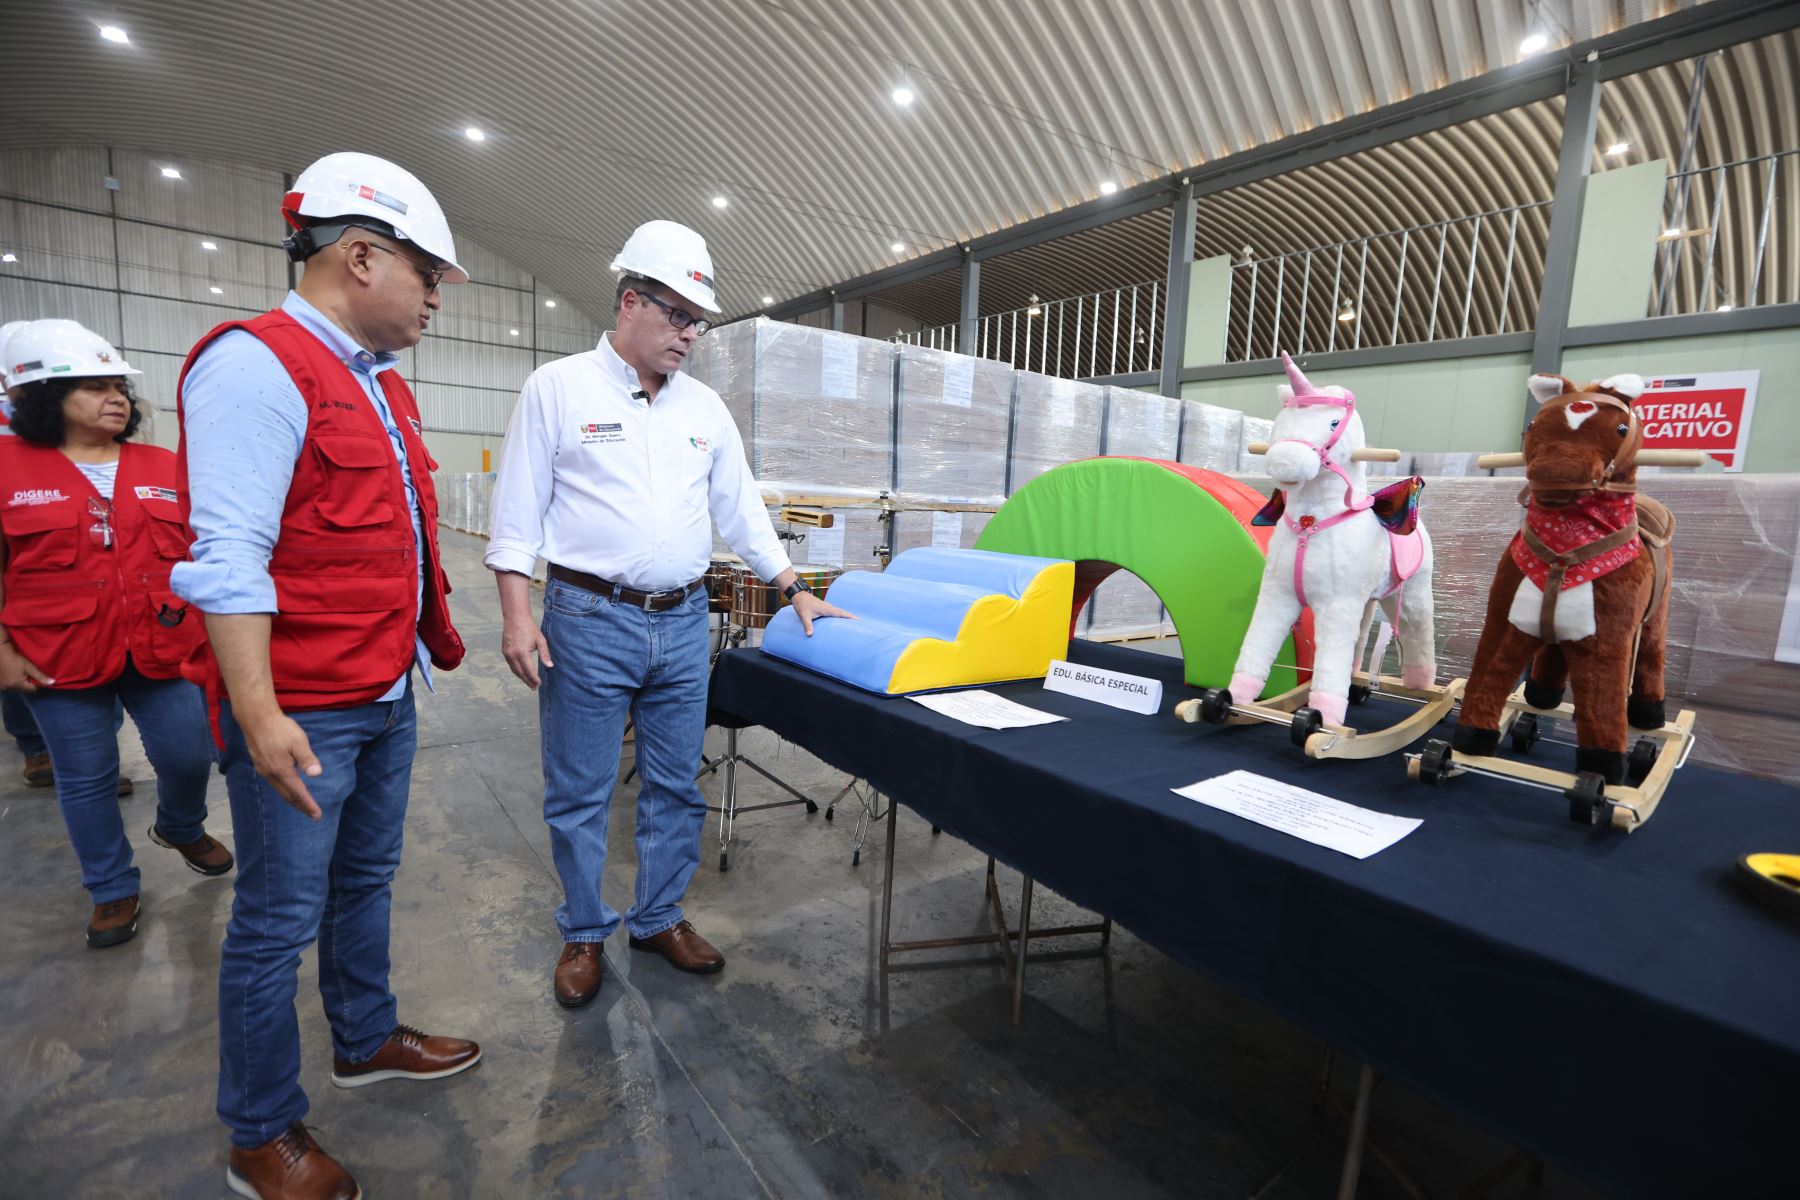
x,y
155,493
700,444
417,427
36,496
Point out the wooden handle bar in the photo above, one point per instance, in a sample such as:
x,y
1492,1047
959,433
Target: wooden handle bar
x,y
1645,458
1366,455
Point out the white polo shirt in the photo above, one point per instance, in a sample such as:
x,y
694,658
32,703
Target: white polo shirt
x,y
597,478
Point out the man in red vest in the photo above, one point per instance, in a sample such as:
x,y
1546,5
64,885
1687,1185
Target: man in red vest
x,y
308,489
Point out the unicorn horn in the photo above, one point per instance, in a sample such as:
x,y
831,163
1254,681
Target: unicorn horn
x,y
1300,384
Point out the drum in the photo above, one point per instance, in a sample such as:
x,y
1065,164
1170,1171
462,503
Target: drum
x,y
718,583
753,602
819,579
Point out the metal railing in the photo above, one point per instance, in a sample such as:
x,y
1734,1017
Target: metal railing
x,y
1466,277
1116,332
1729,237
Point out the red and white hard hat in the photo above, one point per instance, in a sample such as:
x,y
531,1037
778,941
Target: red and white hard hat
x,y
348,184
58,349
671,254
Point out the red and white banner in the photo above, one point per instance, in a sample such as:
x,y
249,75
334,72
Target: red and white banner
x,y
1709,412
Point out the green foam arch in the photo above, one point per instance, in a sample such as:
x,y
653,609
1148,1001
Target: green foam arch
x,y
1184,531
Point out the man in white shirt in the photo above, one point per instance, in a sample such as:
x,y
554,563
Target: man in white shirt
x,y
613,462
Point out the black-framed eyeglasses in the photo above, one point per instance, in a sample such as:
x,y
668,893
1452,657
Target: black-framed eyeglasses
x,y
680,318
432,276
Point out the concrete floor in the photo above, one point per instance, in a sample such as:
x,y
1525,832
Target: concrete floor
x,y
792,1073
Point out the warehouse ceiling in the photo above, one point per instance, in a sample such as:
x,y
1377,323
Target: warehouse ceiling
x,y
600,114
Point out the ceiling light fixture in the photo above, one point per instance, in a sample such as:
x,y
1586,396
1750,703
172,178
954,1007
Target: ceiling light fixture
x,y
474,134
1108,187
768,299
1533,43
209,245
1618,148
903,96
1724,308
549,304
512,333
9,257
1672,233
1349,314
217,291
113,33
720,202
898,247
170,173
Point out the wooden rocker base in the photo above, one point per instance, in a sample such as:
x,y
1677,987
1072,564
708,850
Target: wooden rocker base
x,y
1655,757
1319,740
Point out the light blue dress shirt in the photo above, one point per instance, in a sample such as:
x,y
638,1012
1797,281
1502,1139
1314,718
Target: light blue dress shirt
x,y
244,422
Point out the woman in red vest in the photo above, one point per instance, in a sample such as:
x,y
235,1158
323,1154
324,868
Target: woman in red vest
x,y
89,530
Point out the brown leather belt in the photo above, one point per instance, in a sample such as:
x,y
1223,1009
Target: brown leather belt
x,y
619,593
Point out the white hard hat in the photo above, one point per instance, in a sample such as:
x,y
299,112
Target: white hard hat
x,y
58,349
6,332
671,254
361,185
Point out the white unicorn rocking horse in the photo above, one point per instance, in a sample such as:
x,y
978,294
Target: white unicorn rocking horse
x,y
1342,552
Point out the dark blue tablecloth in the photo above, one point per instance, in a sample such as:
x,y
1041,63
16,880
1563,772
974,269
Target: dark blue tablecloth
x,y
1611,1003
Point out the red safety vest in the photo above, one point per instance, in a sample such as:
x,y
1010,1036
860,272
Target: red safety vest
x,y
343,566
75,604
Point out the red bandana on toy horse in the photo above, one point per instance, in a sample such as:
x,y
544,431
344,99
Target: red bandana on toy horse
x,y
1571,526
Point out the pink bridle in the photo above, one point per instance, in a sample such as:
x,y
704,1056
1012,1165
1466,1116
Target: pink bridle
x,y
1305,396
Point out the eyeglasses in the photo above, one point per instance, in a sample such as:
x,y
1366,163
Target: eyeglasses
x,y
432,277
680,318
100,532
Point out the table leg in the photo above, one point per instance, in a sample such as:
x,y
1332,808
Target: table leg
x,y
887,882
1024,945
728,802
1359,1132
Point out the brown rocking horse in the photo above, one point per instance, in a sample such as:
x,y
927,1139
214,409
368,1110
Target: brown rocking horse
x,y
1582,594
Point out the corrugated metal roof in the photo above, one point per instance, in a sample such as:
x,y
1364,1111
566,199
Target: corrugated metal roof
x,y
600,116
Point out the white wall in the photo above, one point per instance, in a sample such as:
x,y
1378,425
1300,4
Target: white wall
x,y
129,264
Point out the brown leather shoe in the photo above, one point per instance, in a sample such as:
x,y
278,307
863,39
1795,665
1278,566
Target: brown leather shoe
x,y
407,1054
290,1167
685,949
205,854
578,973
114,922
38,772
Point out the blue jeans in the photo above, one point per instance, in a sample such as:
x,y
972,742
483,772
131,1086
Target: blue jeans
x,y
612,659
19,725
299,880
80,726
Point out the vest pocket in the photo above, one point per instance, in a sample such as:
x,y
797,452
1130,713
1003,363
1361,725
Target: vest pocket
x,y
41,537
175,628
51,628
168,532
356,492
341,632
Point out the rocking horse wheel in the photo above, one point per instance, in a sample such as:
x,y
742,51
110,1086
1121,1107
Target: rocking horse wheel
x,y
1360,693
1643,757
1215,705
1588,804
1525,733
1434,762
1306,722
